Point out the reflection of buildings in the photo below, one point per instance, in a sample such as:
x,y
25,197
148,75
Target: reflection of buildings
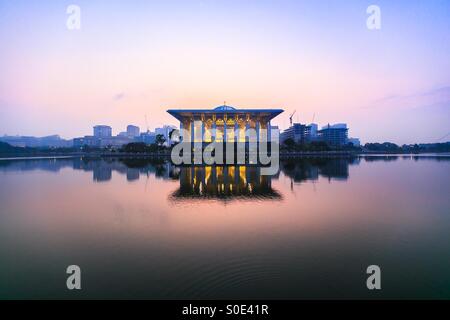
x,y
132,174
51,165
102,173
311,168
224,182
131,167
371,158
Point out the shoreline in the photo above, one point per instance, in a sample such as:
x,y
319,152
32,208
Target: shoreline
x,y
283,155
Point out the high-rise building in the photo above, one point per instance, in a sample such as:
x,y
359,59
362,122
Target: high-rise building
x,y
165,132
133,131
101,131
296,132
336,134
147,137
312,130
300,133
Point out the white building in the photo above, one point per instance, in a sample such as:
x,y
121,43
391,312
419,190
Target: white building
x,y
133,131
355,141
165,132
101,131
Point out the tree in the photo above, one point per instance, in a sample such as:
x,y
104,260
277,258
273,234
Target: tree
x,y
135,147
319,146
160,140
174,136
289,143
383,147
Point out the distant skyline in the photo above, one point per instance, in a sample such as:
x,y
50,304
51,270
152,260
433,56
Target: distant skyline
x,y
136,58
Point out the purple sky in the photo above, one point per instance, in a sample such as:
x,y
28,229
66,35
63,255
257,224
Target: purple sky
x,y
137,58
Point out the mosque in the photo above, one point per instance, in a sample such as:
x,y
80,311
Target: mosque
x,y
223,123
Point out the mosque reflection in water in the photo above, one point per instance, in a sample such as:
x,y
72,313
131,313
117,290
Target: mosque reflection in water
x,y
224,182
203,182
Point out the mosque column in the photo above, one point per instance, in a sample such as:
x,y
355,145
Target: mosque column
x,y
269,136
258,125
214,128
181,130
203,130
247,127
192,130
246,136
225,128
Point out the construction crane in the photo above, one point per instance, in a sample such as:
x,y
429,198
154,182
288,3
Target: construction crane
x,y
290,117
146,123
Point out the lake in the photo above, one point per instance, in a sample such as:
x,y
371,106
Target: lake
x,y
146,229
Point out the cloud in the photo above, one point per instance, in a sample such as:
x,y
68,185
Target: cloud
x,y
433,97
119,96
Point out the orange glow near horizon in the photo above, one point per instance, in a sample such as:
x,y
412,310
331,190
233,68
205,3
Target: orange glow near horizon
x,y
127,63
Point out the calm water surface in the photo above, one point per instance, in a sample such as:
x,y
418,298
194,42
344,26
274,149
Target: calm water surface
x,y
145,229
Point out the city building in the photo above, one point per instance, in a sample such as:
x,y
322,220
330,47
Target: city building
x,y
336,134
89,141
296,132
165,131
274,128
311,131
102,138
114,142
133,131
354,141
221,123
300,133
101,131
147,137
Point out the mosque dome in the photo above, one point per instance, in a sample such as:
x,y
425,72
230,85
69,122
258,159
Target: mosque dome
x,y
224,108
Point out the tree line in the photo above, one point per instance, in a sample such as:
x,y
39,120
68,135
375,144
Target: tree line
x,y
290,145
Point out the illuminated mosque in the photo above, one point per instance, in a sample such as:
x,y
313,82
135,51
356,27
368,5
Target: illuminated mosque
x,y
221,123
